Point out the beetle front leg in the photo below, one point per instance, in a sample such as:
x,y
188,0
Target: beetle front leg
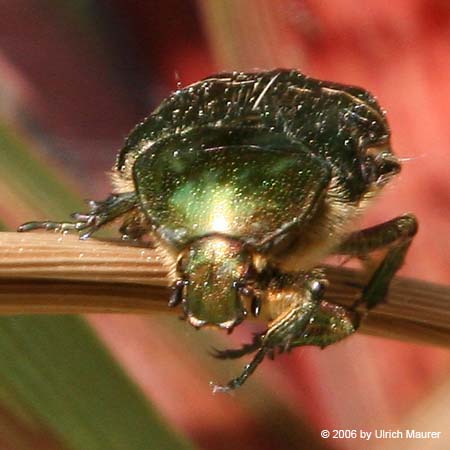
x,y
235,353
282,332
396,235
329,324
100,213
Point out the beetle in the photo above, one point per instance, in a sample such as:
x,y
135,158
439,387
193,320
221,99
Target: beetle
x,y
246,181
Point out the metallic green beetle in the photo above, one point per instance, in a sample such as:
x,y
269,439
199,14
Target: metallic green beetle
x,y
247,181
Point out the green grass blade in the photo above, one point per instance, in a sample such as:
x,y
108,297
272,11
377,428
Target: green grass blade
x,y
54,367
57,367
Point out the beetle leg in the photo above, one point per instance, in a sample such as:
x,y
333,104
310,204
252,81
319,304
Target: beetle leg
x,y
133,227
396,235
255,304
176,296
234,353
100,213
329,324
283,331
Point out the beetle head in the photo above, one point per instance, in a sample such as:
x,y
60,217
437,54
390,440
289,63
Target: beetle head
x,y
213,272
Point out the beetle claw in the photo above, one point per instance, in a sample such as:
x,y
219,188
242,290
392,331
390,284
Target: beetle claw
x,y
218,388
248,291
176,296
256,305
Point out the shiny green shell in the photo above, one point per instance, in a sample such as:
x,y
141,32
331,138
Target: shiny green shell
x,y
240,191
248,155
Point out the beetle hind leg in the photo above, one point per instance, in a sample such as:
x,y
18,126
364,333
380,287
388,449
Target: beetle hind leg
x,y
100,213
396,236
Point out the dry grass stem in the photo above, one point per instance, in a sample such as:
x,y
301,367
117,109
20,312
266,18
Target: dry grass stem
x,y
54,273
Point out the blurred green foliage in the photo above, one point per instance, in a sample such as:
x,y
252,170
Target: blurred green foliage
x,y
54,367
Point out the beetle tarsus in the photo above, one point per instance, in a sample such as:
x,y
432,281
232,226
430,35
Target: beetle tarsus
x,y
100,213
240,379
235,353
49,226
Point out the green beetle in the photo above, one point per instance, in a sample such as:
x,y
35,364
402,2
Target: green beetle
x,y
246,181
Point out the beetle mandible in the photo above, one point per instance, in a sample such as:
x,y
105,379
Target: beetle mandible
x,y
246,181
